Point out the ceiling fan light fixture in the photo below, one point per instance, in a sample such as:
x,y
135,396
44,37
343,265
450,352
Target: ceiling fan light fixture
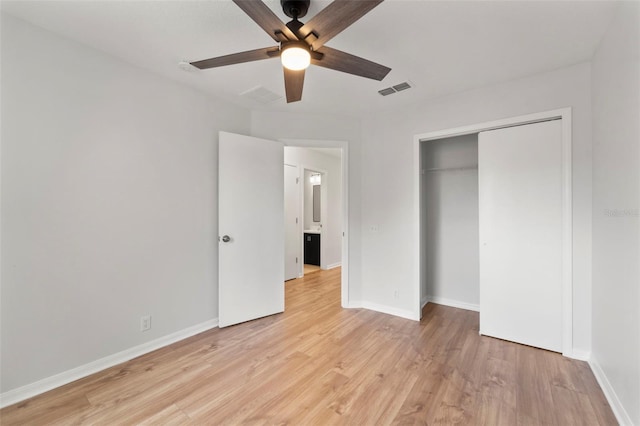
x,y
299,43
295,56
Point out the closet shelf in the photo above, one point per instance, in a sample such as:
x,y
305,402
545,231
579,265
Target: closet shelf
x,y
443,169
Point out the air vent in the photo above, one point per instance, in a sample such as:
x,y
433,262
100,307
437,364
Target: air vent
x,y
402,86
393,89
387,91
261,94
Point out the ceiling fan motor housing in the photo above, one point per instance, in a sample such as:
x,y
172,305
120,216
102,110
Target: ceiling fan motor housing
x,y
295,8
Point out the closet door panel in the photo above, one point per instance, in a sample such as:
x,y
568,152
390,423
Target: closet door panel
x,y
520,215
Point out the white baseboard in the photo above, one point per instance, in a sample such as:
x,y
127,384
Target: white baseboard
x,y
454,303
616,405
579,354
334,265
423,302
355,304
24,392
390,310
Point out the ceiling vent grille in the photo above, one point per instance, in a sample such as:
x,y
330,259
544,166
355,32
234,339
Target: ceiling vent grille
x,y
402,86
387,91
393,89
261,94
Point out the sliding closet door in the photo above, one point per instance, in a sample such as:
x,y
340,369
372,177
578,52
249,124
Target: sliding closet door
x,y
520,214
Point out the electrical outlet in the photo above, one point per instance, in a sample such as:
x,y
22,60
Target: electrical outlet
x,y
373,228
145,322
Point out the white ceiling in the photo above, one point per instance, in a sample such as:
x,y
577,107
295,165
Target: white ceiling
x,y
332,152
441,47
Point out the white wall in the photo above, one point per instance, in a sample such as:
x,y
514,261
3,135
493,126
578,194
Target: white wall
x,y
450,221
332,182
389,261
278,125
109,204
616,220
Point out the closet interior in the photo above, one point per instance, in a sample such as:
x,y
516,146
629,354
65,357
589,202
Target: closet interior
x,y
449,221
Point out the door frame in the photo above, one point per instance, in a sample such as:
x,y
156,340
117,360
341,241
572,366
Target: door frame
x,y
567,210
344,146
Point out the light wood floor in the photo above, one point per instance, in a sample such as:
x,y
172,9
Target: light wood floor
x,y
310,268
320,364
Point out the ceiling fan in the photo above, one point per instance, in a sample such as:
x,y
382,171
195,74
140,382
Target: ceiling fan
x,y
303,44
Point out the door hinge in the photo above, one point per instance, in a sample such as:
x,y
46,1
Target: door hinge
x,y
296,260
296,220
297,180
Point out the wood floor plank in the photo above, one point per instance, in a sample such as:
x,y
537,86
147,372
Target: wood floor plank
x,y
169,416
238,404
320,364
533,394
577,406
303,401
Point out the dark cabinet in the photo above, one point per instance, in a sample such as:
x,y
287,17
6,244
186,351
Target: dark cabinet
x,y
312,249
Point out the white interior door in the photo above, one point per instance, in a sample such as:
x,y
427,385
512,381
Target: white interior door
x,y
251,228
520,214
291,225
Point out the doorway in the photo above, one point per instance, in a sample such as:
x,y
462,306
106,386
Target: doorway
x,y
318,215
326,161
312,208
308,197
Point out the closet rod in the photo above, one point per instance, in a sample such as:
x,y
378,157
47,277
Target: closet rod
x,y
441,169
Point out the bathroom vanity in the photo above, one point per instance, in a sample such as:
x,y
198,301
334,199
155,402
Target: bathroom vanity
x,y
312,247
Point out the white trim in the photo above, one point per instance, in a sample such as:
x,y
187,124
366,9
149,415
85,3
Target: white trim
x,y
567,214
345,226
403,313
354,304
616,405
24,392
496,124
567,235
580,355
453,303
419,246
312,143
334,265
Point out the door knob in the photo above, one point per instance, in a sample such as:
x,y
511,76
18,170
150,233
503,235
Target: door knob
x,y
226,239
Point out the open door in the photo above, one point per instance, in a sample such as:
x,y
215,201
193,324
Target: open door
x,y
251,228
291,226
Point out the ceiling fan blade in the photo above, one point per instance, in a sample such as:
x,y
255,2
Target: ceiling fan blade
x,y
238,58
268,21
345,62
334,18
293,83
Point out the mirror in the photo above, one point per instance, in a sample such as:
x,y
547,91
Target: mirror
x,y
316,203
